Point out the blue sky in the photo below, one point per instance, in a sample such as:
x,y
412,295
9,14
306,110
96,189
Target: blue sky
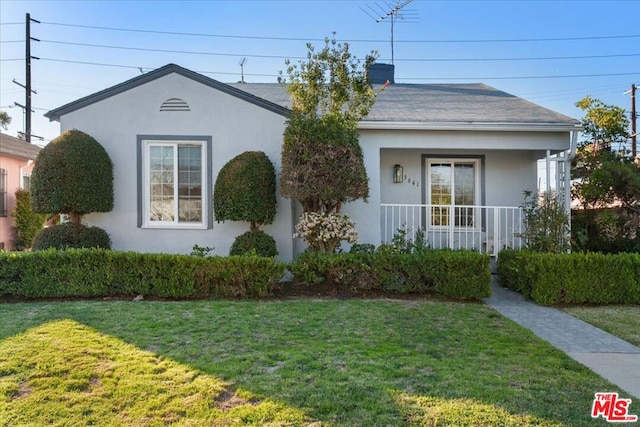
x,y
451,41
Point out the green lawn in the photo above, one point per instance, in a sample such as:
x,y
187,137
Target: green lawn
x,y
621,321
303,362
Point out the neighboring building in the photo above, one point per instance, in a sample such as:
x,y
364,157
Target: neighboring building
x,y
16,162
461,155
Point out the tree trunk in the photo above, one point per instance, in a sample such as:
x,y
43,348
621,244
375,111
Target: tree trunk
x,y
75,218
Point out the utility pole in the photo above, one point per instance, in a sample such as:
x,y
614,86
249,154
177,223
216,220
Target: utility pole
x,y
27,86
634,132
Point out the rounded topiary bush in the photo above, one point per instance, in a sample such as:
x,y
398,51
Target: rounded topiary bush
x,y
68,235
245,190
73,174
263,244
322,163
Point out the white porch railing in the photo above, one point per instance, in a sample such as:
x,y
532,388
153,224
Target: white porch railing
x,y
486,229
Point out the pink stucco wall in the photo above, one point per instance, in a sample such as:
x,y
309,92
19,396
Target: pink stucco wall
x,y
15,168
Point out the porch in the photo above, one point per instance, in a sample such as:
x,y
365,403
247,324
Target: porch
x,y
485,229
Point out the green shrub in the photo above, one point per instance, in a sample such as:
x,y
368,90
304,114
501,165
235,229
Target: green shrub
x,y
245,190
201,251
546,223
28,222
362,248
579,278
455,274
511,267
73,174
65,236
607,230
254,241
322,163
101,273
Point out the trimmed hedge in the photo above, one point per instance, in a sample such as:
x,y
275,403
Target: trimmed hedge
x,y
578,278
72,174
254,240
245,189
67,236
89,273
452,274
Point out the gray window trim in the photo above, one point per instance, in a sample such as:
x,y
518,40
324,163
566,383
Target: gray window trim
x,y
208,197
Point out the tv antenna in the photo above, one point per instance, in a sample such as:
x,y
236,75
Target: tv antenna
x,y
391,12
241,63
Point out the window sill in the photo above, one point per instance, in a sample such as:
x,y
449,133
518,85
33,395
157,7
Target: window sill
x,y
174,226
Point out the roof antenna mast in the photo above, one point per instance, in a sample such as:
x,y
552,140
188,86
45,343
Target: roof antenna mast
x,y
241,63
392,13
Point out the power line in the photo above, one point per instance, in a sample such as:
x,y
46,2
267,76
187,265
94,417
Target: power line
x,y
172,51
542,58
520,77
235,36
146,68
177,33
397,78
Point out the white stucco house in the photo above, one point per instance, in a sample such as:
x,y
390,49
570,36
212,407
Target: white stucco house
x,y
451,160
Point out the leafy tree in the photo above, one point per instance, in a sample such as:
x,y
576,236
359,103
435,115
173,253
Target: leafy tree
x,y
28,222
73,175
245,190
332,83
603,124
5,120
604,175
322,164
322,161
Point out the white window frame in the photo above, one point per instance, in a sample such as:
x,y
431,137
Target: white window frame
x,y
22,181
146,184
477,196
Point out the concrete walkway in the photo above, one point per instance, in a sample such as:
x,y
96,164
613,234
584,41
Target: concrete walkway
x,y
608,356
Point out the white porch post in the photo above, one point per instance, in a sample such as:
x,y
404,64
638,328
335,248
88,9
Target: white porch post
x,y
567,174
548,167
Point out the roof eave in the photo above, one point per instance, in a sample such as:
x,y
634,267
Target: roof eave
x,y
55,114
470,126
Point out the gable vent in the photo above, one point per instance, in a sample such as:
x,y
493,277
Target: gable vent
x,y
174,104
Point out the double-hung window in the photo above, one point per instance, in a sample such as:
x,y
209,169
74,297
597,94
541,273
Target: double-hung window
x,y
174,183
26,181
453,189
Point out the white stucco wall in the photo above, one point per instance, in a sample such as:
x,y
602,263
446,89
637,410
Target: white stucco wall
x,y
509,167
234,125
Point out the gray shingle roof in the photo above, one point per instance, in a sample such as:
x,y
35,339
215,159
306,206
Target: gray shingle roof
x,y
417,103
438,103
15,147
